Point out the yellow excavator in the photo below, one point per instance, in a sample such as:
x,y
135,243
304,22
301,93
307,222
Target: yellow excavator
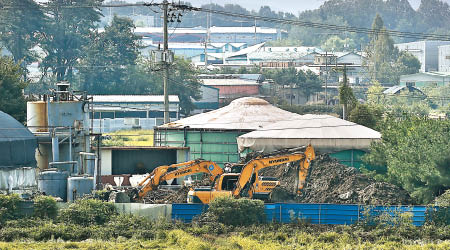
x,y
248,183
170,172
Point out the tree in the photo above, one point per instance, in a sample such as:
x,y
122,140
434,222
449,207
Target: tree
x,y
110,58
70,27
346,96
381,52
335,43
184,83
20,27
12,100
413,153
384,61
306,83
364,115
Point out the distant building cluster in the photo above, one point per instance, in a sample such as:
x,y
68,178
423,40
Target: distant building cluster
x,y
434,57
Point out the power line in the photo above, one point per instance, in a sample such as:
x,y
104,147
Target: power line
x,y
342,28
322,25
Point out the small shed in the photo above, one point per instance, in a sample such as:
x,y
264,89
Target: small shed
x,y
344,140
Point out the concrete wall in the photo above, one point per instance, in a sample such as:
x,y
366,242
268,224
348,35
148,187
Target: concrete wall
x,y
150,211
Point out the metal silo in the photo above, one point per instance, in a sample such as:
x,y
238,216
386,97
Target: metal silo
x,y
53,183
77,186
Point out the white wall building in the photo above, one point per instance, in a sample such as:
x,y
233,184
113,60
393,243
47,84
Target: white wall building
x,y
426,51
444,58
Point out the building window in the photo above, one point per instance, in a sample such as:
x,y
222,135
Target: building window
x,y
447,57
410,84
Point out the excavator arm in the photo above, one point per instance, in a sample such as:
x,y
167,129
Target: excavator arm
x,y
164,173
253,166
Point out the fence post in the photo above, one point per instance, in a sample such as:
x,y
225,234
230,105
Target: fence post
x,y
358,212
281,220
320,211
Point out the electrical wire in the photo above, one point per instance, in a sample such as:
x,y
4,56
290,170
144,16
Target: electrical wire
x,y
342,28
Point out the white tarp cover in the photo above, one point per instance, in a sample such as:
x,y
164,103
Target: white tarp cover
x,y
326,133
246,113
17,178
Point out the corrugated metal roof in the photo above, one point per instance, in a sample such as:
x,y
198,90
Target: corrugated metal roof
x,y
133,98
261,30
247,113
393,89
247,50
214,29
228,82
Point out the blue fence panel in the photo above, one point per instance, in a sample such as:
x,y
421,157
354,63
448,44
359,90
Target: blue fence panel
x,y
186,212
339,214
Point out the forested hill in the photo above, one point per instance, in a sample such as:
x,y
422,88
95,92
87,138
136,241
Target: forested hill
x,y
433,16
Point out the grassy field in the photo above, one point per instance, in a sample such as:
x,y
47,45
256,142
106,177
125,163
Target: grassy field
x,y
179,239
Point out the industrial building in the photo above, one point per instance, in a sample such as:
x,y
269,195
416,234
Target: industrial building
x,y
60,122
208,101
249,35
425,79
17,161
426,51
233,86
344,140
212,135
226,134
444,58
118,112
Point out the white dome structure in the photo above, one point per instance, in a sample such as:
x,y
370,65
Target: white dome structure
x,y
247,113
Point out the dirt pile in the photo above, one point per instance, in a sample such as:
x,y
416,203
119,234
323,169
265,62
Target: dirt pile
x,y
163,196
331,182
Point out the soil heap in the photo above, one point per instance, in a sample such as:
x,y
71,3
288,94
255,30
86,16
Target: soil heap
x,y
162,196
331,182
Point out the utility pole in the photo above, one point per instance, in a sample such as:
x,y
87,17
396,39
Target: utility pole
x,y
165,63
326,78
345,104
206,54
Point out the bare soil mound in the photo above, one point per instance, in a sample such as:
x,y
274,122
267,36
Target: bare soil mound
x,y
163,196
331,182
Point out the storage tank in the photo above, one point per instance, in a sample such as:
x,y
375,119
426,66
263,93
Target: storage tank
x,y
53,183
77,186
37,116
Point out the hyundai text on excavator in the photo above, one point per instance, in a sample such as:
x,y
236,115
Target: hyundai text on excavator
x,y
248,183
170,172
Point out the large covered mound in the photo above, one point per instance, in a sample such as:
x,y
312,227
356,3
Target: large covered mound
x,y
17,144
325,132
331,182
247,113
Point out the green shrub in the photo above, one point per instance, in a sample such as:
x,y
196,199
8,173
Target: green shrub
x,y
45,207
236,212
9,207
102,194
87,212
439,216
